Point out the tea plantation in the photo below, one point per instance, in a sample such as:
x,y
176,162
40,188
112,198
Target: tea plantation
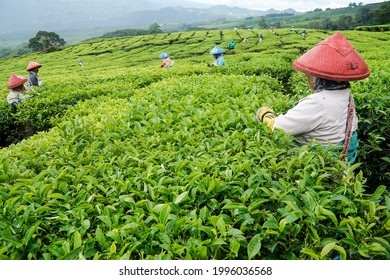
x,y
120,159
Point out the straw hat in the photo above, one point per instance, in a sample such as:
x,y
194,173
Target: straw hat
x,y
32,65
333,59
15,81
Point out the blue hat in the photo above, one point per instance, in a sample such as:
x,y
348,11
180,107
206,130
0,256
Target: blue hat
x,y
217,50
164,55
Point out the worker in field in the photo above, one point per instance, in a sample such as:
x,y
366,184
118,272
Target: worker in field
x,y
33,78
328,115
218,58
260,36
303,33
231,45
166,61
16,84
246,39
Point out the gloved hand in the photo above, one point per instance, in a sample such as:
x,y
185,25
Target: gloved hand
x,y
267,116
262,112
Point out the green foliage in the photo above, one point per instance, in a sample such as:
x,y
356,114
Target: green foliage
x,y
8,52
46,41
373,103
125,32
328,19
374,28
138,162
155,28
383,13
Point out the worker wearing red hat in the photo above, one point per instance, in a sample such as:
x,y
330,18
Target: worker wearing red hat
x,y
33,79
328,115
16,83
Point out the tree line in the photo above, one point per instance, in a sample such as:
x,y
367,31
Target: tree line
x,y
153,29
363,16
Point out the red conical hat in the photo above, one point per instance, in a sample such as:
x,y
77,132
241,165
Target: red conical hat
x,y
15,81
33,65
333,59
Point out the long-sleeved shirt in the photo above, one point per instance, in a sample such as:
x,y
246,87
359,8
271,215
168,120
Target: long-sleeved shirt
x,y
33,80
220,61
321,116
166,63
14,96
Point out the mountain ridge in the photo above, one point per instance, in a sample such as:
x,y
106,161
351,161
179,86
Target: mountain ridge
x,y
76,16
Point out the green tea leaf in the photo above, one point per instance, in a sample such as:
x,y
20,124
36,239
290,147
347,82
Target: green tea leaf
x,y
271,223
349,241
72,255
233,206
311,253
164,214
309,200
30,232
221,226
256,204
254,246
282,224
77,241
329,214
106,220
113,248
314,234
234,246
100,237
341,250
180,198
327,249
5,166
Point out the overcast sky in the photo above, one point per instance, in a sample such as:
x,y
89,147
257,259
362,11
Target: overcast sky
x,y
298,5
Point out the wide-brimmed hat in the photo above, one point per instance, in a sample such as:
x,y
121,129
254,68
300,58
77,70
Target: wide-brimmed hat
x,y
32,65
333,59
217,50
164,55
15,81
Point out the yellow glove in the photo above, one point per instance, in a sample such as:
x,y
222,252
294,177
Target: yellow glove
x,y
267,116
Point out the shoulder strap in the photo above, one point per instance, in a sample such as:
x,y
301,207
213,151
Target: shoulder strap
x,y
348,130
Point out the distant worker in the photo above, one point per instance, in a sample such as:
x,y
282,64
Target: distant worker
x,y
246,39
81,63
16,83
327,115
166,61
292,29
260,36
303,33
231,45
33,78
218,58
272,30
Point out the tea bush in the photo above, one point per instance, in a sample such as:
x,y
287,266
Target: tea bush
x,y
373,103
137,162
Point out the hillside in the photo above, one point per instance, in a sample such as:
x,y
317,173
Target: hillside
x,y
123,160
299,20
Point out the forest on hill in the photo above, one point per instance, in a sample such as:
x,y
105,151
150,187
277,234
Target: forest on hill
x,y
347,18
